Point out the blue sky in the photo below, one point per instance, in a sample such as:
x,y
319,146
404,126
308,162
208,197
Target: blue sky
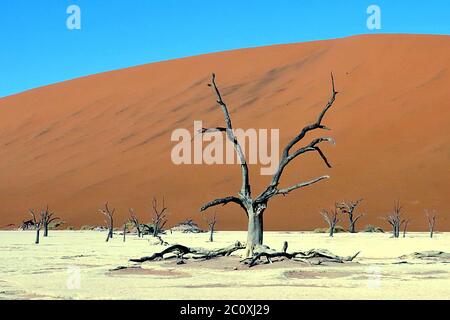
x,y
36,47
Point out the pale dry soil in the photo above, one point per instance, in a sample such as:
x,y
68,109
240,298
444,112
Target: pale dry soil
x,y
78,265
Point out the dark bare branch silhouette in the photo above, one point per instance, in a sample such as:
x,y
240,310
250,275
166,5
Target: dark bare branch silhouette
x,y
431,218
405,226
47,219
211,226
255,207
182,253
159,218
109,219
348,208
395,219
134,219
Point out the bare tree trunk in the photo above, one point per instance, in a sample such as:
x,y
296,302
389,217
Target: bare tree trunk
x,y
124,231
111,228
431,221
46,230
255,232
109,219
211,235
404,229
352,224
37,235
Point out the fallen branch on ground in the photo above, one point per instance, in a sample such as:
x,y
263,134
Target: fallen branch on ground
x,y
321,255
181,253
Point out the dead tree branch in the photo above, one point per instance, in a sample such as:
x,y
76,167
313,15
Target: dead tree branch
x,y
181,253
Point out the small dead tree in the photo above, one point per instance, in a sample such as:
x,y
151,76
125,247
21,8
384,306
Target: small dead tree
x,y
211,226
37,224
255,207
47,218
109,219
431,217
405,226
348,208
331,218
159,218
135,222
395,219
125,230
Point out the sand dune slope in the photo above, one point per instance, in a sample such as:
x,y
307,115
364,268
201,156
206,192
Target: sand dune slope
x,y
79,143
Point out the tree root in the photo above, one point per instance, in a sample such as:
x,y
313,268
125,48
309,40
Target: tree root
x,y
320,255
180,252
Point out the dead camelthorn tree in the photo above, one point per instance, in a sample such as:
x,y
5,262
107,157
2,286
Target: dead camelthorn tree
x,y
255,207
395,220
109,219
431,217
348,208
37,224
135,222
331,218
212,226
159,218
405,226
47,218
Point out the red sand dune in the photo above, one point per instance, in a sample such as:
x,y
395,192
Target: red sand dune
x,y
79,143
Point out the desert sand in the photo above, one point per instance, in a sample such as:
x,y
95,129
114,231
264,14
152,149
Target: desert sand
x,y
78,264
77,144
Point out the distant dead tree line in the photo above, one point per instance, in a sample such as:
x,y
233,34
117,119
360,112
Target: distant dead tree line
x,y
159,217
395,218
155,228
